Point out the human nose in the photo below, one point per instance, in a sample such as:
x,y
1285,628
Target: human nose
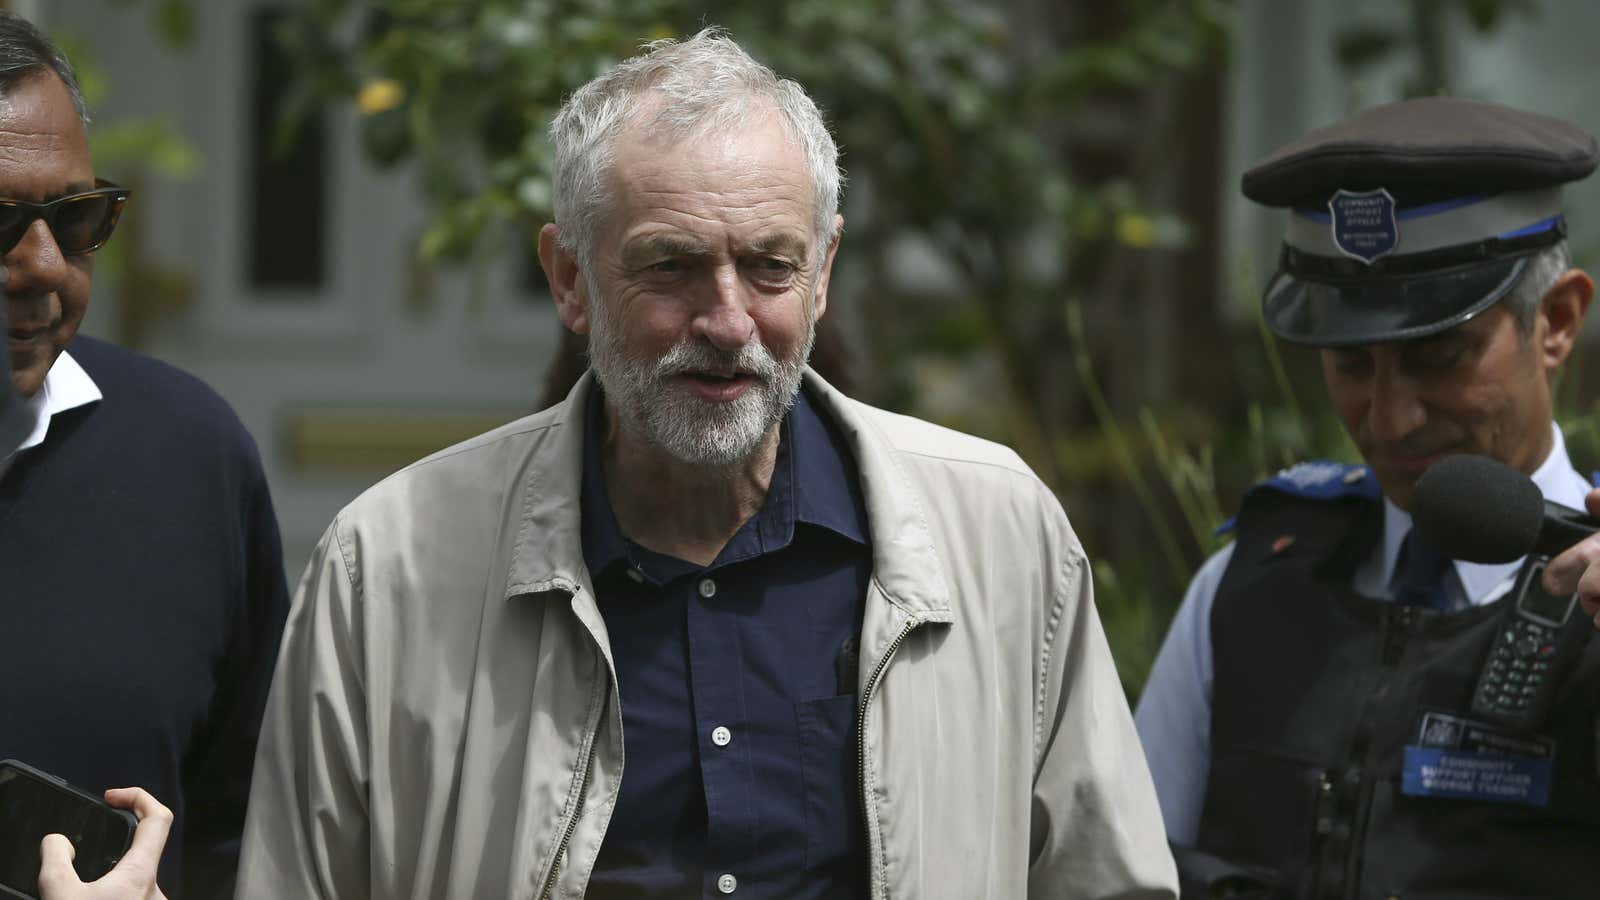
x,y
1395,407
36,264
724,317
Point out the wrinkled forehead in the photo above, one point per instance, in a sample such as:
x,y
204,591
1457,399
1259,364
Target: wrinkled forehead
x,y
39,94
44,152
660,124
757,166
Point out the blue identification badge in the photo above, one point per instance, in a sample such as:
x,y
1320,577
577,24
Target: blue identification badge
x,y
1460,759
1364,225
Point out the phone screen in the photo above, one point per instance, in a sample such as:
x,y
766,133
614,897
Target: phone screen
x,y
1541,605
31,806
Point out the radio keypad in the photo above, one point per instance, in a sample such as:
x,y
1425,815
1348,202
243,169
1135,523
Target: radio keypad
x,y
1517,667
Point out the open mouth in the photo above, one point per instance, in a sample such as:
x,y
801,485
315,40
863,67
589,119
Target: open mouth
x,y
718,387
717,377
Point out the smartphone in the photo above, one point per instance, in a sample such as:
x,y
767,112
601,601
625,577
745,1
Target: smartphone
x,y
34,804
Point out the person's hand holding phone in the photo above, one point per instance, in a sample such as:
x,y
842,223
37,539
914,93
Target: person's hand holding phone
x,y
133,878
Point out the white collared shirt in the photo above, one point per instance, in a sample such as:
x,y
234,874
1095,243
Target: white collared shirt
x,y
1174,712
66,386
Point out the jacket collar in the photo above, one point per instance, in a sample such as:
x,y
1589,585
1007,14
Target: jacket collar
x,y
548,553
905,562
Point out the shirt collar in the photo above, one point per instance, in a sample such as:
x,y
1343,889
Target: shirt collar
x,y
603,543
66,386
813,481
1481,584
827,491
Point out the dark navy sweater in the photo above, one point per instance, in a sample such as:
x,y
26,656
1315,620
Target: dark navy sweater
x,y
142,596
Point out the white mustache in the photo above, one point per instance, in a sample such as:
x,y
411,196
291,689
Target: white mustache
x,y
689,356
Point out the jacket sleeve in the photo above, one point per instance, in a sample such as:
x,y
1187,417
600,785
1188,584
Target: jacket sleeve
x,y
217,773
307,833
1096,829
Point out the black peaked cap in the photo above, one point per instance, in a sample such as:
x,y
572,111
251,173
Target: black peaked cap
x,y
1423,147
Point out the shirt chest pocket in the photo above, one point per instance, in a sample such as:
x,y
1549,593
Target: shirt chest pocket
x,y
835,840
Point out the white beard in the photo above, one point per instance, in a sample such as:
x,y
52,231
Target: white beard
x,y
685,427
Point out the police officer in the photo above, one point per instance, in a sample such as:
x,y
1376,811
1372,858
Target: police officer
x,y
1308,721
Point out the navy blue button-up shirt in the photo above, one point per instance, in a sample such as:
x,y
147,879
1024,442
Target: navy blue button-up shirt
x,y
737,683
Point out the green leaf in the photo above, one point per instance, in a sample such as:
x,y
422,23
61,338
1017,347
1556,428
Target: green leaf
x,y
386,138
150,142
174,22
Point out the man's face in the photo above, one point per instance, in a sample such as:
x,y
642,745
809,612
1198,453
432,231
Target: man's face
x,y
44,154
1481,388
705,289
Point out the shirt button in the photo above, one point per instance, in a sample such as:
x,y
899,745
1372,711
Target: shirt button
x,y
727,884
636,575
721,736
708,589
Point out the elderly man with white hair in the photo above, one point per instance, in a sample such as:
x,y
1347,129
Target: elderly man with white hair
x,y
707,627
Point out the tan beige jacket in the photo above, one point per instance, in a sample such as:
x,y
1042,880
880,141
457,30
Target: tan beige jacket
x,y
444,722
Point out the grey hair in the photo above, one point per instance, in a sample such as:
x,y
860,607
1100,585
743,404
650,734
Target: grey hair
x,y
706,84
1540,275
26,52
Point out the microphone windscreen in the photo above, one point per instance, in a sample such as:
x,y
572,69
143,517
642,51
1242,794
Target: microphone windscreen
x,y
1477,509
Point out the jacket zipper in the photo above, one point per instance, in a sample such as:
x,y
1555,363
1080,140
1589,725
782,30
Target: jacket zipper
x,y
861,728
572,825
577,807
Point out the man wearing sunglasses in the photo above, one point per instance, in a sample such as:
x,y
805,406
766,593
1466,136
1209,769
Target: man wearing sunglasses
x,y
141,582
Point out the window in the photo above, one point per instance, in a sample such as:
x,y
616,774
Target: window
x,y
288,231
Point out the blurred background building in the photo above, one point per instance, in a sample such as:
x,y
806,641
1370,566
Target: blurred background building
x,y
334,204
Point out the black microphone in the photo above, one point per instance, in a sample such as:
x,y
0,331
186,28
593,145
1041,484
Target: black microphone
x,y
1483,511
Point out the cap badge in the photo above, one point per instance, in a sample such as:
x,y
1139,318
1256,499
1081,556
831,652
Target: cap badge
x,y
1364,225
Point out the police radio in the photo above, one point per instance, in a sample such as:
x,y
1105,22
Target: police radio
x,y
1480,510
1540,638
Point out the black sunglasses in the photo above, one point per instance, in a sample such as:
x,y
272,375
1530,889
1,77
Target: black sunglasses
x,y
80,223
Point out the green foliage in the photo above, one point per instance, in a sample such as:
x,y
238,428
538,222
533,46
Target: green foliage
x,y
126,143
924,94
1124,455
125,150
170,20
174,21
1136,602
155,143
1134,625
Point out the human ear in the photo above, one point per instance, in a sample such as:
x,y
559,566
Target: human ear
x,y
820,304
566,282
1562,310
